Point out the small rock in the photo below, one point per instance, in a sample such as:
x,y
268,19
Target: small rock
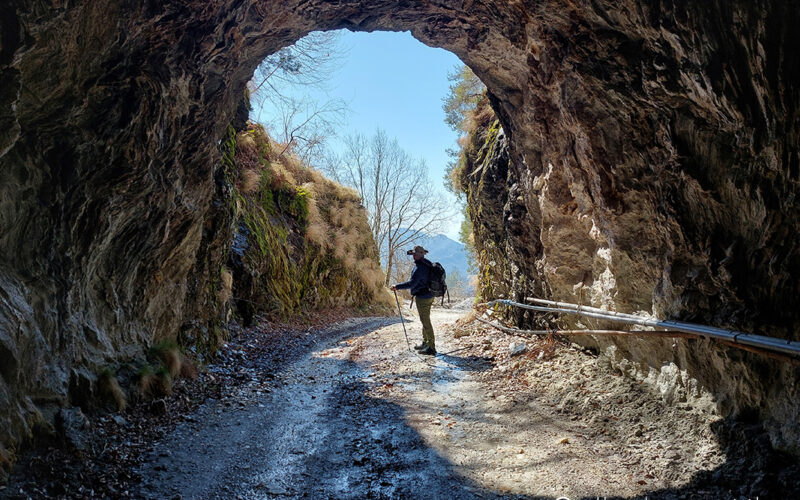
x,y
120,421
158,407
516,349
72,424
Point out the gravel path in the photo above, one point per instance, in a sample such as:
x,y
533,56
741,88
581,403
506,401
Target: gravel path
x,y
347,411
362,417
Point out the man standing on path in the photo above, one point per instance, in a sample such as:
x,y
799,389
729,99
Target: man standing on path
x,y
420,277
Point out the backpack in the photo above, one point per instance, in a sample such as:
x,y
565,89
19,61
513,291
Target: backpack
x,y
436,282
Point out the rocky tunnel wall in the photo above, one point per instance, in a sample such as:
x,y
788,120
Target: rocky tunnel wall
x,y
653,149
657,175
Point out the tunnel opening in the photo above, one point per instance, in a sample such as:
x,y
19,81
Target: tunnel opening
x,y
602,141
367,108
589,209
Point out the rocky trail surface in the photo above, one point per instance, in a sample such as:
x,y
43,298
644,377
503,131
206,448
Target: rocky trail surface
x,y
360,416
347,411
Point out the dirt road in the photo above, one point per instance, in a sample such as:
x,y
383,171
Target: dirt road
x,y
359,416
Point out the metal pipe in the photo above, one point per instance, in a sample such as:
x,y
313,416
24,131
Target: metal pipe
x,y
641,333
710,330
669,334
732,336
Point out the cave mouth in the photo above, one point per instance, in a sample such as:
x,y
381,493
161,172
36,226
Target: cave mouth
x,y
657,145
480,36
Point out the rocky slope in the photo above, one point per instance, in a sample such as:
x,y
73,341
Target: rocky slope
x,y
653,166
301,241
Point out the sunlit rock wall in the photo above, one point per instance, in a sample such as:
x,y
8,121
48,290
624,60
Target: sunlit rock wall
x,y
658,174
653,166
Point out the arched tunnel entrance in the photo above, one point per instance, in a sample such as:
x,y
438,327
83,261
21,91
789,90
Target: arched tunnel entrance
x,y
652,168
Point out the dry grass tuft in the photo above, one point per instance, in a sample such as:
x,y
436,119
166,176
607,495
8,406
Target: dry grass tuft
x,y
314,215
371,274
172,362
316,177
6,458
163,382
346,193
188,369
481,116
145,382
250,181
468,318
110,391
317,233
246,142
304,174
346,242
169,355
280,177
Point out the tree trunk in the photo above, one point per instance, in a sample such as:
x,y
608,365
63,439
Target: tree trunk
x,y
389,262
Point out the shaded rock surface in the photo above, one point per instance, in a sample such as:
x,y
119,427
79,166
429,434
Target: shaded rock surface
x,y
72,426
653,166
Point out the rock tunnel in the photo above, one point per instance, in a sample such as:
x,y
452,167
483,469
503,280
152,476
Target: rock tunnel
x,y
652,167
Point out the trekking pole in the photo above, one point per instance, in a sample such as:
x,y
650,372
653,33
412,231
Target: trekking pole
x,y
408,344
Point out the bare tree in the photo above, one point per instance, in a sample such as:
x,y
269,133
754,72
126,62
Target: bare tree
x,y
402,265
303,124
309,62
401,202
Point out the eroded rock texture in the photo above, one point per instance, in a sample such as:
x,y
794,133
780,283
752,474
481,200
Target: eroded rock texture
x,y
653,167
659,174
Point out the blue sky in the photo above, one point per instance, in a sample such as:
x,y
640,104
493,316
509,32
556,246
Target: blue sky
x,y
392,81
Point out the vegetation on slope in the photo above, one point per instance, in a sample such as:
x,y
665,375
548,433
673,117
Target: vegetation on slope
x,y
301,241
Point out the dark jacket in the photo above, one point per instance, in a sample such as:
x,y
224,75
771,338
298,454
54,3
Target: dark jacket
x,y
420,277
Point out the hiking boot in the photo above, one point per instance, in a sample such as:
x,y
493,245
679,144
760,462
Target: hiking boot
x,y
421,346
428,351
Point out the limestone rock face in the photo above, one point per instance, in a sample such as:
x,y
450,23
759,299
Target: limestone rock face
x,y
653,166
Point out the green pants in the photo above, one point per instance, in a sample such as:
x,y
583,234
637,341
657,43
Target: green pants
x,y
424,308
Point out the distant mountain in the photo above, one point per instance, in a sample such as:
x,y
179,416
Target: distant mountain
x,y
450,253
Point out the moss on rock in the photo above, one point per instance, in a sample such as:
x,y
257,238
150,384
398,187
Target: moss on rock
x,y
302,241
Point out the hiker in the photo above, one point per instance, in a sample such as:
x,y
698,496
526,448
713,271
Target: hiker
x,y
418,285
